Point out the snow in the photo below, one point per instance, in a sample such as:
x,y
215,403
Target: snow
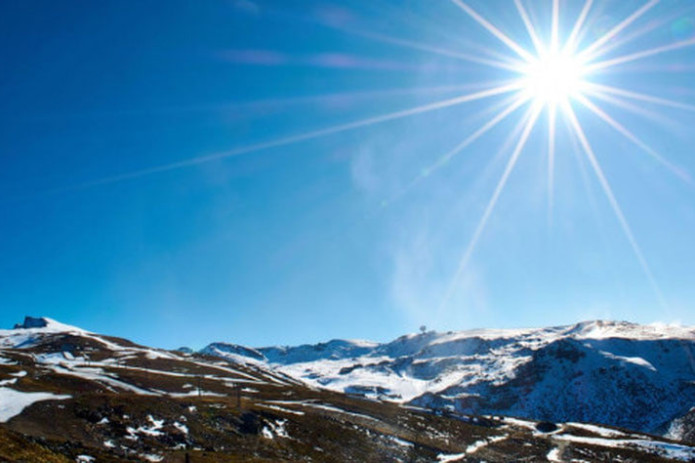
x,y
438,364
281,409
602,330
276,428
442,458
600,430
156,424
98,375
195,393
520,423
13,402
664,449
132,433
449,370
154,430
25,337
226,369
57,358
152,457
95,371
474,447
85,459
279,428
331,408
639,361
182,428
401,442
154,354
440,370
677,428
267,433
104,372
555,456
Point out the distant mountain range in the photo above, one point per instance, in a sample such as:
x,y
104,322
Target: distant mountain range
x,y
69,395
615,373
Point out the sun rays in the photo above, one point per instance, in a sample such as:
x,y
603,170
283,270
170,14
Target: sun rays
x,y
556,76
542,85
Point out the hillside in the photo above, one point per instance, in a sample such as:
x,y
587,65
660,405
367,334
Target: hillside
x,y
68,395
615,373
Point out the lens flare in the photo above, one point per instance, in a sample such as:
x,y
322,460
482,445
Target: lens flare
x,y
556,77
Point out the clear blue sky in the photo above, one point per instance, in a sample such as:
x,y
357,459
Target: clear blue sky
x,y
323,238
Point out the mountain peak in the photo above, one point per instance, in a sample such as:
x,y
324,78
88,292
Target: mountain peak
x,y
31,322
44,324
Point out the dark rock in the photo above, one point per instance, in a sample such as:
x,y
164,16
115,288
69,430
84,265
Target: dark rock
x,y
546,426
250,424
32,322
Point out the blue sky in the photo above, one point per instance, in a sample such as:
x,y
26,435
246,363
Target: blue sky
x,y
343,235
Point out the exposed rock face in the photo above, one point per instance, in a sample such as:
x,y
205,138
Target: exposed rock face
x,y
683,428
32,322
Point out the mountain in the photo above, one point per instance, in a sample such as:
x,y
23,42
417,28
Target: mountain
x,y
620,374
69,395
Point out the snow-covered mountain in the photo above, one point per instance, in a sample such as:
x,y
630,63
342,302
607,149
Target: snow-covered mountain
x,y
639,377
67,394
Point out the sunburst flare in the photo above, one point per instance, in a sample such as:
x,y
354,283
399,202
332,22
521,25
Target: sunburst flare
x,y
556,77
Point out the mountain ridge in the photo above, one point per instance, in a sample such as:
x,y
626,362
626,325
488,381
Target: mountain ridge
x,y
67,394
595,371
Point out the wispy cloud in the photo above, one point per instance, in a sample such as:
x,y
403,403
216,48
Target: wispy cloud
x,y
419,282
328,60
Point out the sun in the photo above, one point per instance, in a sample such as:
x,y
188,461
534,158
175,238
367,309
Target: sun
x,y
558,75
553,78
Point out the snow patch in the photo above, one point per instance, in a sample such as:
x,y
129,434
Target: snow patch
x,y
600,430
152,457
154,430
638,361
276,428
182,428
281,409
401,442
663,449
474,447
554,456
13,402
442,458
